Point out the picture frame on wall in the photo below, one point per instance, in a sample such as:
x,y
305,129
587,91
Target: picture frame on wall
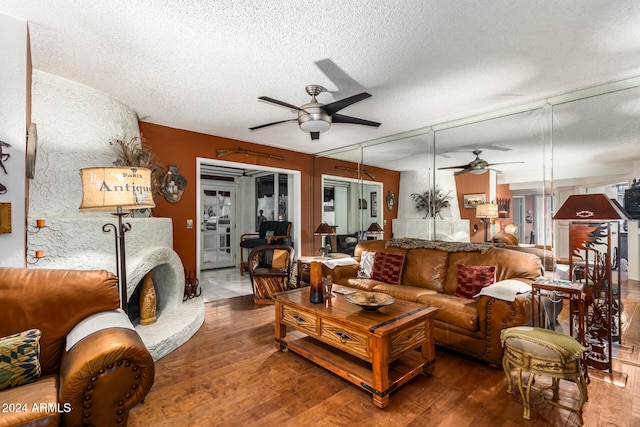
x,y
472,200
374,204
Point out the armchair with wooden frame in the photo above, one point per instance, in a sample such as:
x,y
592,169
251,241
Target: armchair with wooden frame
x,y
270,233
270,270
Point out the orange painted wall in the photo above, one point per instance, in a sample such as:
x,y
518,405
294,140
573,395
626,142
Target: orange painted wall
x,y
181,147
503,192
468,183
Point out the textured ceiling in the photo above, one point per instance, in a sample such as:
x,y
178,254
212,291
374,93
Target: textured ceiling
x,y
201,65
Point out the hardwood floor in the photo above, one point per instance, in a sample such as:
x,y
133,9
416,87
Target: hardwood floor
x,y
229,373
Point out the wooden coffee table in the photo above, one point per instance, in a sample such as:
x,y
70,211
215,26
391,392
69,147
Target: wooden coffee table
x,y
372,349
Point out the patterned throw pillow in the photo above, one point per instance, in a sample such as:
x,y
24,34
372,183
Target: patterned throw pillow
x,y
20,358
472,278
366,264
387,267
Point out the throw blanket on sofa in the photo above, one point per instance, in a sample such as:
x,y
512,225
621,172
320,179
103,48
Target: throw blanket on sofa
x,y
409,243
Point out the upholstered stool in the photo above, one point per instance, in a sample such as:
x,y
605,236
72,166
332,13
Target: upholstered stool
x,y
543,352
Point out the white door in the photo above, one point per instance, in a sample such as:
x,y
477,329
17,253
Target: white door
x,y
217,226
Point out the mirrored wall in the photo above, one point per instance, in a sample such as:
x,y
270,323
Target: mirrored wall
x,y
527,160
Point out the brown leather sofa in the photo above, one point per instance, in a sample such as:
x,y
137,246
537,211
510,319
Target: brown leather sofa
x,y
470,326
100,378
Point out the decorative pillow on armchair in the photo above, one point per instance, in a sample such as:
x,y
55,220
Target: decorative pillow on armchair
x,y
20,358
366,264
472,278
387,267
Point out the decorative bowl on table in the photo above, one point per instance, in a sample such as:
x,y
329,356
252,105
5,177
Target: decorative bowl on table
x,y
370,301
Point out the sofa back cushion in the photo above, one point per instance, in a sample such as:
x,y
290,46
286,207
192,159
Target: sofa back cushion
x,y
509,265
426,268
53,301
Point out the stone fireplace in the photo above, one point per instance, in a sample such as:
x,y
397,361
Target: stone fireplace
x,y
80,243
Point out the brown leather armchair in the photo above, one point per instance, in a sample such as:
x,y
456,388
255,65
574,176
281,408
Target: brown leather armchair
x,y
96,381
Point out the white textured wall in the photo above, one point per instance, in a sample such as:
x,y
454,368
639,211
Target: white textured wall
x,y
13,126
419,181
75,125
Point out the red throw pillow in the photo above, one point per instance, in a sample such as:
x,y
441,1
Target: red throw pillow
x,y
387,267
472,278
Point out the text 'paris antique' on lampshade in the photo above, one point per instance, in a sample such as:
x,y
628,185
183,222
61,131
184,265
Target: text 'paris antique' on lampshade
x,y
107,188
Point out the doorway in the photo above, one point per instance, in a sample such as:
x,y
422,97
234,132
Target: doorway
x,y
217,204
236,181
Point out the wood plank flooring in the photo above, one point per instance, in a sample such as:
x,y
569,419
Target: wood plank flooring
x,y
229,374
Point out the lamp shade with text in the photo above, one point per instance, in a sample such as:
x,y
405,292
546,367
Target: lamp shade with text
x,y
107,188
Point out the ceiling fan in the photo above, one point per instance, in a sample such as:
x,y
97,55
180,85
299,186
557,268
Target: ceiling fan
x,y
477,166
316,117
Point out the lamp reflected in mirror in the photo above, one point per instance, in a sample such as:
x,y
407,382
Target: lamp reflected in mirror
x,y
487,212
324,229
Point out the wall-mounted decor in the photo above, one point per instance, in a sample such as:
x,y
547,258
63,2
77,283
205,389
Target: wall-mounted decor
x,y
174,184
362,204
473,200
32,147
4,156
5,217
391,200
432,201
374,204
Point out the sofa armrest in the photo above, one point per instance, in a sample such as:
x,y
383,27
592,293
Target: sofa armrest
x,y
494,315
343,272
103,376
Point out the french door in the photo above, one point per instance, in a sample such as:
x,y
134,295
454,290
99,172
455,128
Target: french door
x,y
219,247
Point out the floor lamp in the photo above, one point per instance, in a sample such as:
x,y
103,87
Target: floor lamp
x,y
119,188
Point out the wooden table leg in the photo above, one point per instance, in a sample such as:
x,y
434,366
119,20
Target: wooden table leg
x,y
428,348
281,330
380,371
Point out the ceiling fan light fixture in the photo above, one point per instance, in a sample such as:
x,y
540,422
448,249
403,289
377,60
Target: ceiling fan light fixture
x,y
315,125
478,171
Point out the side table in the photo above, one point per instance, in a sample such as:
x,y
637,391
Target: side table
x,y
562,289
330,262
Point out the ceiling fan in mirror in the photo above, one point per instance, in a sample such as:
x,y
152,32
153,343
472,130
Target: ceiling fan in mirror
x,y
477,166
316,117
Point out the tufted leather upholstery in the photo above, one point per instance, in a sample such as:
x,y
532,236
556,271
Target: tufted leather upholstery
x,y
98,380
430,277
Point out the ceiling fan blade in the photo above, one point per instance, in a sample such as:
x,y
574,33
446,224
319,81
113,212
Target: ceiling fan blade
x,y
271,124
336,106
457,167
315,135
284,104
339,118
503,163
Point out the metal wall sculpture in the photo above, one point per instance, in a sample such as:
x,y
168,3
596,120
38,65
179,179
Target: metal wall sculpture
x,y
590,260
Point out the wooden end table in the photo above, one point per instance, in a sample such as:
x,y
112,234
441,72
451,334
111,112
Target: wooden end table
x,y
372,349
